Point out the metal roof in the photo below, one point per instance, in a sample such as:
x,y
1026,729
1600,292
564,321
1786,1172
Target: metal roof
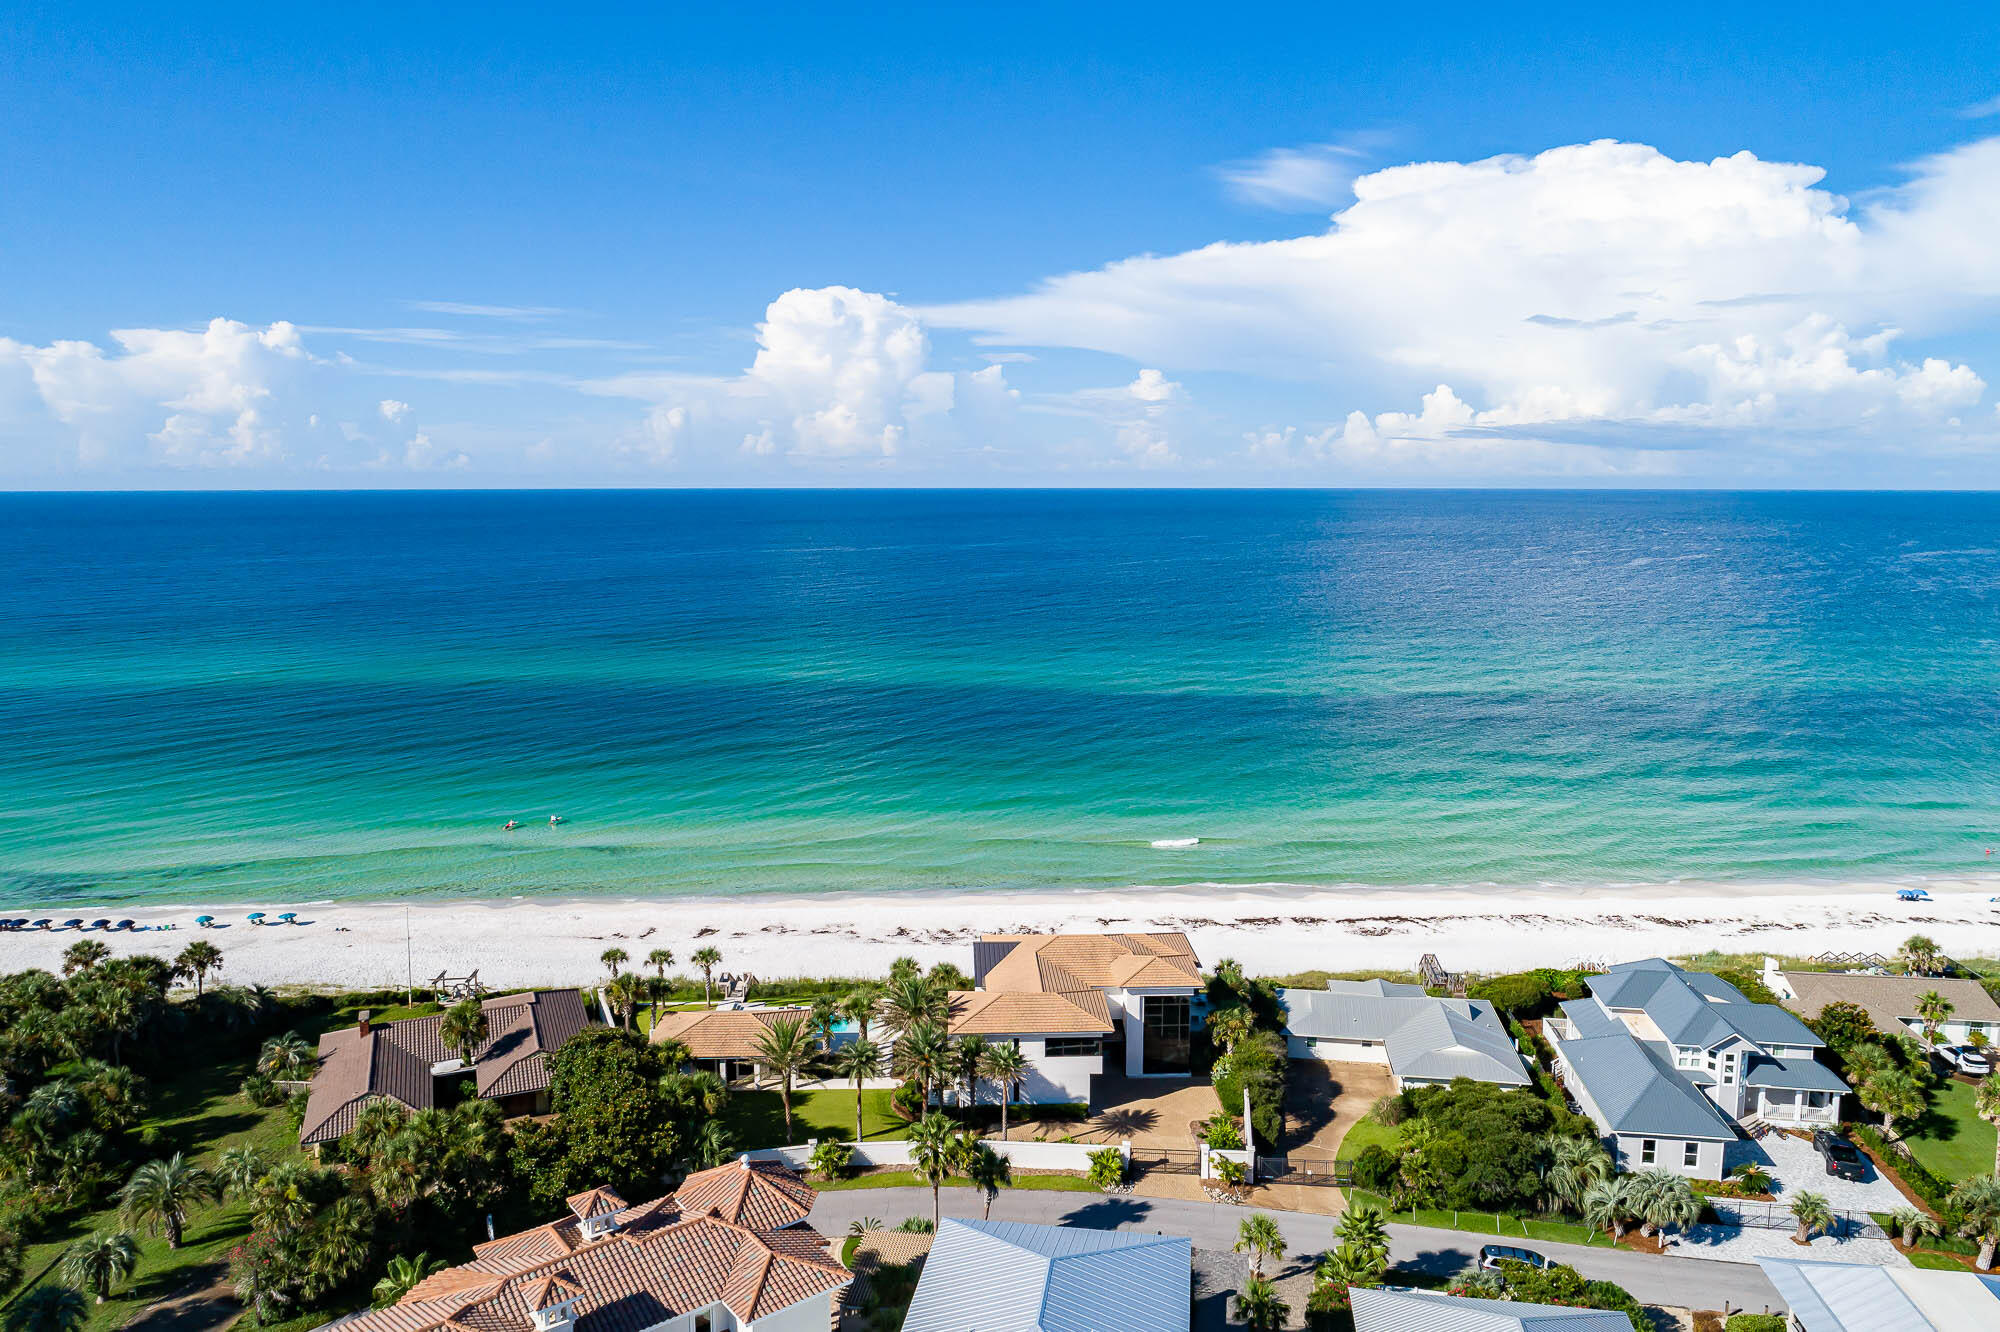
x,y
1793,1074
1638,1092
1010,1276
1849,1297
1393,1310
1696,1008
1426,1038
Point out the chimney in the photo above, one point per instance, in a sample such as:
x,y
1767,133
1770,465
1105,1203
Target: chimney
x,y
364,1022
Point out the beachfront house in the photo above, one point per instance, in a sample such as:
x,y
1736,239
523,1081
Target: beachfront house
x,y
1082,1005
728,1251
402,1062
725,1040
1668,1062
1016,1275
1389,1309
1890,1001
1853,1297
1425,1041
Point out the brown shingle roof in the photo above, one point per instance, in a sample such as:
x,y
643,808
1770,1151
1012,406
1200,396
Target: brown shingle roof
x,y
1888,999
722,1033
631,1280
760,1194
393,1061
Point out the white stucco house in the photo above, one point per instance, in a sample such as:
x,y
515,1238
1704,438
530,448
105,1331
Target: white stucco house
x,y
1080,1005
1668,1062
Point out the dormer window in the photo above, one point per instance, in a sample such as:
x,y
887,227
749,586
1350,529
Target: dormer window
x,y
557,1317
597,1227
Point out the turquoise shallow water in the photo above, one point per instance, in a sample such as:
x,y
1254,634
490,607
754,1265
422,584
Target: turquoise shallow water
x,y
226,697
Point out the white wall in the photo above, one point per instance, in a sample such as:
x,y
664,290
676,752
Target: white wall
x,y
1128,1008
1337,1051
1056,1081
810,1315
896,1152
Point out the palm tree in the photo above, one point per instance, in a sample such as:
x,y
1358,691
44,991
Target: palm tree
x,y
1006,1065
1364,1232
98,1261
160,1193
985,1168
83,955
401,1274
787,1049
1893,1094
712,1146
1986,1104
1978,1199
923,1054
197,960
1909,1223
48,1309
1752,1178
1664,1199
237,1170
857,1060
858,1006
1227,1026
910,1000
933,1143
708,959
1258,1305
968,1057
1814,1215
340,1246
1258,1236
624,994
612,958
1574,1164
659,960
464,1028
1921,956
1933,1008
1606,1204
286,1057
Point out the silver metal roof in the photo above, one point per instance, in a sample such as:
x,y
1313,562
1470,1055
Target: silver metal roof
x,y
1011,1276
1850,1297
1426,1038
1638,1092
1393,1310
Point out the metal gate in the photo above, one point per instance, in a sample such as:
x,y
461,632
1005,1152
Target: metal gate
x,y
1285,1170
1752,1215
1165,1161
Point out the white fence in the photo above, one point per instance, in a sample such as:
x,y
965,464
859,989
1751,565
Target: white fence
x,y
896,1152
1210,1155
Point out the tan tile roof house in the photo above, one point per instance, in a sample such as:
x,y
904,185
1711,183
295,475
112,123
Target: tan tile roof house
x,y
396,1061
723,1033
1081,1005
630,1269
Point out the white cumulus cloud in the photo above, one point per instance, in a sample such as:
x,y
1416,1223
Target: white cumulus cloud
x,y
392,410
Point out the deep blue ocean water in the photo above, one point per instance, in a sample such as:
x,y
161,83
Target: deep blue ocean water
x,y
229,697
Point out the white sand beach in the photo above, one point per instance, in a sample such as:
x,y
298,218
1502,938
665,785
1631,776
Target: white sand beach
x,y
1271,931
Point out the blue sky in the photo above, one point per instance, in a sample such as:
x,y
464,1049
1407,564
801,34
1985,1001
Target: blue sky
x,y
478,246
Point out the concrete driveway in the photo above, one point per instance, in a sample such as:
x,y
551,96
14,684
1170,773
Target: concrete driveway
x,y
1652,1280
1796,1168
1151,1112
1323,1100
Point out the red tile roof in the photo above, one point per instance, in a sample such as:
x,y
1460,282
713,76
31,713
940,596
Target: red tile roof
x,y
763,1195
659,1263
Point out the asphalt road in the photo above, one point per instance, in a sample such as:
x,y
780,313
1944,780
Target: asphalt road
x,y
1686,1282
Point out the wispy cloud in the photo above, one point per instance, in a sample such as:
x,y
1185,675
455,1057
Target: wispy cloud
x,y
488,344
1316,175
1980,110
472,311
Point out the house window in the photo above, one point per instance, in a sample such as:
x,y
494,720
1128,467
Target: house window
x,y
1072,1047
1691,1155
1649,1151
703,1323
1168,1048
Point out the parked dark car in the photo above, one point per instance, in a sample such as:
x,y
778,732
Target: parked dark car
x,y
1492,1255
1843,1160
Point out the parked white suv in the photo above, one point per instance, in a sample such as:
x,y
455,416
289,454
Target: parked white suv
x,y
1966,1059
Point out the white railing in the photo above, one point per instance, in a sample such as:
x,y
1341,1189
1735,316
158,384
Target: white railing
x,y
1559,1029
896,1152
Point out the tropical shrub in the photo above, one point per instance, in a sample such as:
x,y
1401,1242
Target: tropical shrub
x,y
1565,1285
907,1102
1375,1168
832,1159
1107,1168
1219,1131
1258,1065
1749,1322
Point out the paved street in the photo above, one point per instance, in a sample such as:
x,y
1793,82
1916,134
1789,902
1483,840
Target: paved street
x,y
1688,1282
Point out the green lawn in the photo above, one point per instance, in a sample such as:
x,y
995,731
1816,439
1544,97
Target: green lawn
x,y
1949,1140
1937,1262
757,1118
1365,1134
200,1113
908,1179
1497,1224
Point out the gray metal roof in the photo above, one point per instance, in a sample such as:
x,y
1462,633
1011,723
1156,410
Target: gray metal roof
x,y
1638,1092
1795,1074
1010,1276
1393,1310
1426,1038
1695,1008
1851,1297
